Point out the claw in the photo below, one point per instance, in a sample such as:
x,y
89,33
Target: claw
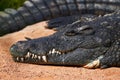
x,y
93,64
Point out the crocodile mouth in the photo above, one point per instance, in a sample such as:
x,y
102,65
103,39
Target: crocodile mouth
x,y
30,57
35,57
56,57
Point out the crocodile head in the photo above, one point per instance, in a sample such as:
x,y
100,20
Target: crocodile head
x,y
78,44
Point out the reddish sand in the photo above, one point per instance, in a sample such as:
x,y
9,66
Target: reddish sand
x,y
10,70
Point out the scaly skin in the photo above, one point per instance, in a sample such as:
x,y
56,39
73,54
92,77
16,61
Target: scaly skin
x,y
33,11
90,44
61,22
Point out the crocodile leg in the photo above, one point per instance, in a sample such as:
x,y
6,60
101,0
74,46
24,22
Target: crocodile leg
x,y
112,57
34,11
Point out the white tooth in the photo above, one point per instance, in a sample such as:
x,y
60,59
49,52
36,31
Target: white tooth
x,y
60,53
57,52
22,59
50,52
28,54
53,51
39,57
35,56
99,15
32,55
44,58
17,58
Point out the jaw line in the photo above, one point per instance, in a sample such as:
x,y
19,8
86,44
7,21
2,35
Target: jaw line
x,y
58,59
33,56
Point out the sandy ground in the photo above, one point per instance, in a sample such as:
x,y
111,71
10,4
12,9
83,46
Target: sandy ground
x,y
10,70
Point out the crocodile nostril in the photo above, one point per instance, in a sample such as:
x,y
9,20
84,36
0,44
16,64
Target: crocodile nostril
x,y
12,48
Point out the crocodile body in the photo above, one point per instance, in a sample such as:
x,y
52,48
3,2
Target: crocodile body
x,y
90,44
33,11
88,48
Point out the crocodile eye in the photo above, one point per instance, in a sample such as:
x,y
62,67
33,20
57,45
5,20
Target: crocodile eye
x,y
71,33
84,30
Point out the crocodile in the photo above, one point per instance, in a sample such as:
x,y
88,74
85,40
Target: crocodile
x,y
90,44
33,11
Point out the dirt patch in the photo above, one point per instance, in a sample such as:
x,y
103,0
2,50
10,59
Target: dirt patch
x,y
10,70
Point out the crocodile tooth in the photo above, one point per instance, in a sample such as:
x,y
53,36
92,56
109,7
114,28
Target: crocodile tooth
x,y
44,58
35,56
22,59
32,55
50,52
53,51
17,58
28,54
57,52
39,57
100,16
60,53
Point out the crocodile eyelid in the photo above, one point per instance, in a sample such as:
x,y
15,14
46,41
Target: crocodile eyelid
x,y
85,27
71,33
